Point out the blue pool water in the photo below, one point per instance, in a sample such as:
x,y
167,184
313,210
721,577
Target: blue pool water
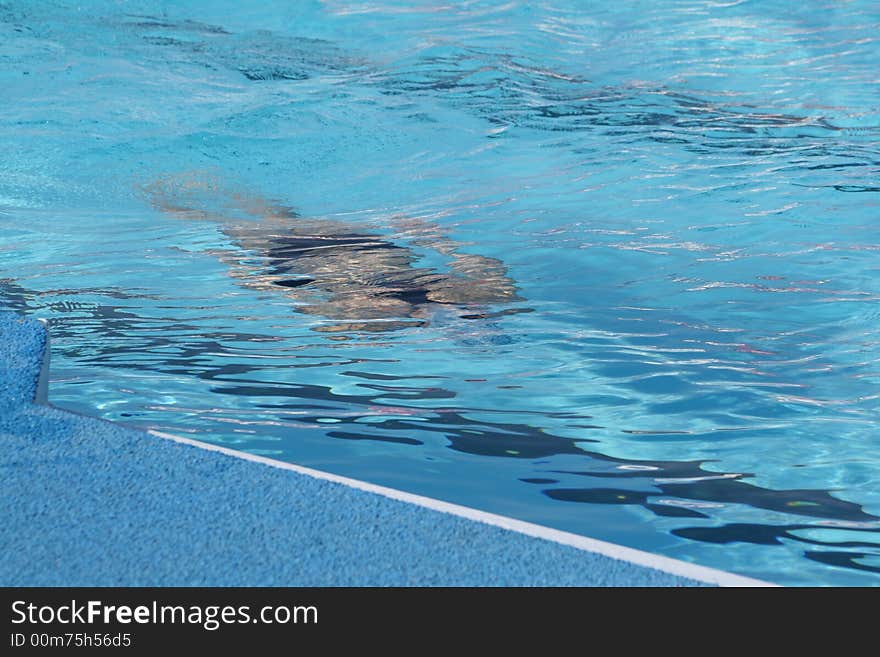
x,y
609,267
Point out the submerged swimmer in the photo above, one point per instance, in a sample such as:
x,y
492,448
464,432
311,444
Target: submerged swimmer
x,y
333,269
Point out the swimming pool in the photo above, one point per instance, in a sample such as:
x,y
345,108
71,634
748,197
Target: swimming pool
x,y
670,206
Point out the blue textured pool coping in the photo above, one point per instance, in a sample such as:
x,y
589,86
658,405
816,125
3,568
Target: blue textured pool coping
x,y
86,502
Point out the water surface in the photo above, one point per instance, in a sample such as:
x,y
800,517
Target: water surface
x,y
683,195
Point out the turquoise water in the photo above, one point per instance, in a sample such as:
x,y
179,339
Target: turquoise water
x,y
683,195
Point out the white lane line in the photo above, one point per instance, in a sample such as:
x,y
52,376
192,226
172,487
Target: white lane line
x,y
620,552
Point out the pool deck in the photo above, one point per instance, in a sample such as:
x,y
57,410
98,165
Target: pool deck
x,y
91,503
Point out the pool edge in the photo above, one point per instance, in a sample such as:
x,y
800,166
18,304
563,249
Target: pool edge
x,y
41,393
648,560
613,550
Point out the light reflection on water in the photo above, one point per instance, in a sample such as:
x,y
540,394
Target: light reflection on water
x,y
681,195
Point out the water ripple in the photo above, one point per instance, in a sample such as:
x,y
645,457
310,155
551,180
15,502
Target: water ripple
x,y
672,204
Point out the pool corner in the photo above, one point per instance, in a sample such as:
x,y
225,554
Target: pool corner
x,y
108,505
